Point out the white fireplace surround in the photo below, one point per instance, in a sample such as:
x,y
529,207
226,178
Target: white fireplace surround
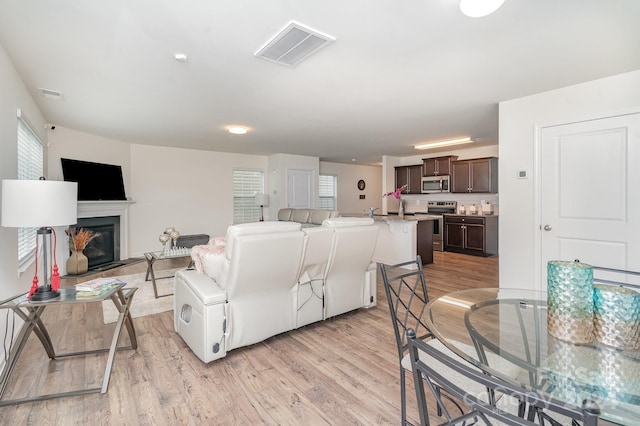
x,y
87,209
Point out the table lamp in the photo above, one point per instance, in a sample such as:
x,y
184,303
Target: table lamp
x,y
42,204
261,200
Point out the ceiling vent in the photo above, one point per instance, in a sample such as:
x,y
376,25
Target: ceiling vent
x,y
293,44
51,94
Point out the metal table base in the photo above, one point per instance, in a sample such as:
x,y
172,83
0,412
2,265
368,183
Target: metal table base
x,y
31,313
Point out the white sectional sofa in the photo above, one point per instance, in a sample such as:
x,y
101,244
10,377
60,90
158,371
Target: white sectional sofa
x,y
275,277
306,217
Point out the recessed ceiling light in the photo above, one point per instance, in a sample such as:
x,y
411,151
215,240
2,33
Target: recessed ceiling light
x,y
237,130
436,144
479,8
181,57
353,159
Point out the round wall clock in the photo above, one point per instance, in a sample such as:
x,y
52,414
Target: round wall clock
x,y
361,185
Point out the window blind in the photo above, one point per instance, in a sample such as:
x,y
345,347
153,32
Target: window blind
x,y
328,192
30,167
246,184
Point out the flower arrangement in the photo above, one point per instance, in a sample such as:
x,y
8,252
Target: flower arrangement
x,y
80,237
397,193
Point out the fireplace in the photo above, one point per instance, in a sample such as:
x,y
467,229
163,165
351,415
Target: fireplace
x,y
100,210
104,250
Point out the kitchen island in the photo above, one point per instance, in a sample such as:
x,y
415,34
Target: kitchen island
x,y
402,239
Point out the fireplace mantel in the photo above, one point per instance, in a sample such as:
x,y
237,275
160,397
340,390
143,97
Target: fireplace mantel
x,y
110,208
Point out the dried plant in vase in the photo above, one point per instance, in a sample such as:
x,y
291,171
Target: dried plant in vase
x,y
79,238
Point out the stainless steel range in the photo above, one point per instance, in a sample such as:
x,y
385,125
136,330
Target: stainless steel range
x,y
439,208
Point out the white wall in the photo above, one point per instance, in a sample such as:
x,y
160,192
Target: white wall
x,y
189,190
348,176
14,95
518,149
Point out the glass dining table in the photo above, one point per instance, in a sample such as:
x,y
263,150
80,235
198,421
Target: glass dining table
x,y
504,332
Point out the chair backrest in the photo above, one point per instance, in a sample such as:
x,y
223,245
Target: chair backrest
x,y
285,214
352,247
318,216
426,364
300,215
407,296
262,262
309,292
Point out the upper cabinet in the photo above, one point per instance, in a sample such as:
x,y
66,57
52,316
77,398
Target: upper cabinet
x,y
475,175
410,176
437,166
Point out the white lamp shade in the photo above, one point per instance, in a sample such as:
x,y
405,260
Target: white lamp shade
x,y
261,199
38,203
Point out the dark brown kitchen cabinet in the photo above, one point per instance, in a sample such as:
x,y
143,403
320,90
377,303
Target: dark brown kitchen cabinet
x,y
437,166
410,176
475,175
425,241
476,235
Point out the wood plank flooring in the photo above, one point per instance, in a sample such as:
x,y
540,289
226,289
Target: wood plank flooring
x,y
343,371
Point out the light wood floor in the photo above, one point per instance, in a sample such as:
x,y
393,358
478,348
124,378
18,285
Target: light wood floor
x,y
343,371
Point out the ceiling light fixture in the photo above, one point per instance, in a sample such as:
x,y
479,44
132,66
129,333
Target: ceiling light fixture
x,y
181,57
237,130
437,144
479,8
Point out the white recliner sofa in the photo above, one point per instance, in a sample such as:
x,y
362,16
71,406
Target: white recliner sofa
x,y
275,277
306,217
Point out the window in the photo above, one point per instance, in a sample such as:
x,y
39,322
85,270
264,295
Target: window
x,y
328,192
30,166
246,184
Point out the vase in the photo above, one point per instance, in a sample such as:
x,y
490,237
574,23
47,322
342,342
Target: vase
x,y
77,263
400,208
570,301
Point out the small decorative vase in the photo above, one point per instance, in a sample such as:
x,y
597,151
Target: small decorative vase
x,y
617,316
77,263
400,208
570,301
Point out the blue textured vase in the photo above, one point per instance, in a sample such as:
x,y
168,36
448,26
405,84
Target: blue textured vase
x,y
570,301
617,316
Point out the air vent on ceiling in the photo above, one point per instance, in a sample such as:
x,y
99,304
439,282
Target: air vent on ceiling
x,y
293,44
50,94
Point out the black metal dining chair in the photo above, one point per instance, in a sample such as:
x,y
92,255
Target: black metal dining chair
x,y
426,362
406,290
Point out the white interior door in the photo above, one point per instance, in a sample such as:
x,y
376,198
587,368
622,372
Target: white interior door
x,y
590,193
300,189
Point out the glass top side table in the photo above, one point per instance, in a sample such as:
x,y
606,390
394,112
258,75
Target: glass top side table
x,y
31,314
154,256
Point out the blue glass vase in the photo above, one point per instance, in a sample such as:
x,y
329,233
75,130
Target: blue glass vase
x,y
570,301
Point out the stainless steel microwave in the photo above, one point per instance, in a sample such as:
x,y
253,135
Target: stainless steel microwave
x,y
435,184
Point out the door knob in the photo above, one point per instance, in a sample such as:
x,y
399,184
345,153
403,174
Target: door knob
x,y
547,228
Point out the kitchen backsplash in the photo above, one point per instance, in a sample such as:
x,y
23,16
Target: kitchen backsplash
x,y
418,203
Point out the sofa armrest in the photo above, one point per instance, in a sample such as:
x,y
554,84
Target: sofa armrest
x,y
204,287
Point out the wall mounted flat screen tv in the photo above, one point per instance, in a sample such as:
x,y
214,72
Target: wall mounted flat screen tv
x,y
96,181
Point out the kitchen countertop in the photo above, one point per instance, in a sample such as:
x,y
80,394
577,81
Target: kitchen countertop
x,y
471,215
407,217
